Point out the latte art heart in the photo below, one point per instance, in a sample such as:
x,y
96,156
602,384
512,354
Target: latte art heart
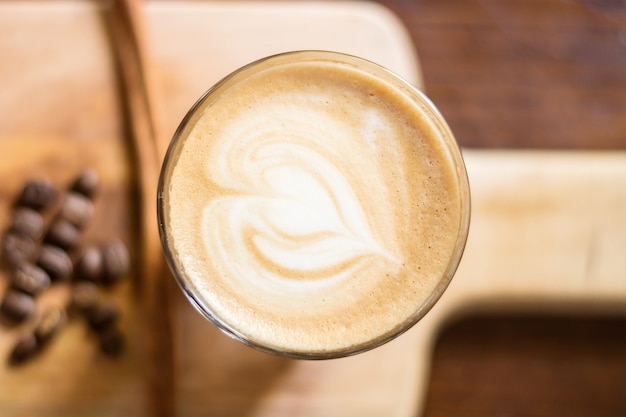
x,y
290,220
311,207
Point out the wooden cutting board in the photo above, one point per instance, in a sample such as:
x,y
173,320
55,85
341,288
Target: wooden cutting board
x,y
548,228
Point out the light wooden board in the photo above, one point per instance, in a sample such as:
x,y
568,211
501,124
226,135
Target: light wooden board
x,y
548,229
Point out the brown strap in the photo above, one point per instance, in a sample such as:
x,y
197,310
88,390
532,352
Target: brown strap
x,y
125,22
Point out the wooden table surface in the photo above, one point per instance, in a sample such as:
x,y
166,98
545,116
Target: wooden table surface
x,y
526,74
508,74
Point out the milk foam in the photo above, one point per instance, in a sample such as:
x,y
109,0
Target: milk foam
x,y
307,210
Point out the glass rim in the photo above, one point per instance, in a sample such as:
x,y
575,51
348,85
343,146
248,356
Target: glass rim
x,y
451,146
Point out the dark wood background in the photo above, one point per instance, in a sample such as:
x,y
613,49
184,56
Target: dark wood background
x,y
545,74
524,73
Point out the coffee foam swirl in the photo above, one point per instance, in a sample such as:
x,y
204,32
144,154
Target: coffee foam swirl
x,y
291,216
294,212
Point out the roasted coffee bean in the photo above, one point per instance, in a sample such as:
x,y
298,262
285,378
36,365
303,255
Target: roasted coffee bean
x,y
76,209
85,297
28,222
112,341
87,183
56,262
18,248
104,315
116,261
90,265
38,194
63,234
51,321
17,306
30,279
25,348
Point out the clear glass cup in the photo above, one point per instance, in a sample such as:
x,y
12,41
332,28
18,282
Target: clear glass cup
x,y
196,228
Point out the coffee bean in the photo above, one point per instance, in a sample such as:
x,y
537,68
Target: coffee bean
x,y
104,315
18,248
76,209
112,341
116,261
38,194
90,265
25,348
51,321
30,279
27,221
87,183
17,306
85,297
56,262
63,234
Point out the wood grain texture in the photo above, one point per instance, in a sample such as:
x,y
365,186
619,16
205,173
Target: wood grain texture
x,y
140,98
528,365
50,128
524,73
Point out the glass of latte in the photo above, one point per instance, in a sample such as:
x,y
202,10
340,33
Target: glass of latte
x,y
313,205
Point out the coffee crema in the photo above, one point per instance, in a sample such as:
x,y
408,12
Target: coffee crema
x,y
313,205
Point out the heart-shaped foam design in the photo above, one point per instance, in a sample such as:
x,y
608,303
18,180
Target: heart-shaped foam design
x,y
294,215
312,207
